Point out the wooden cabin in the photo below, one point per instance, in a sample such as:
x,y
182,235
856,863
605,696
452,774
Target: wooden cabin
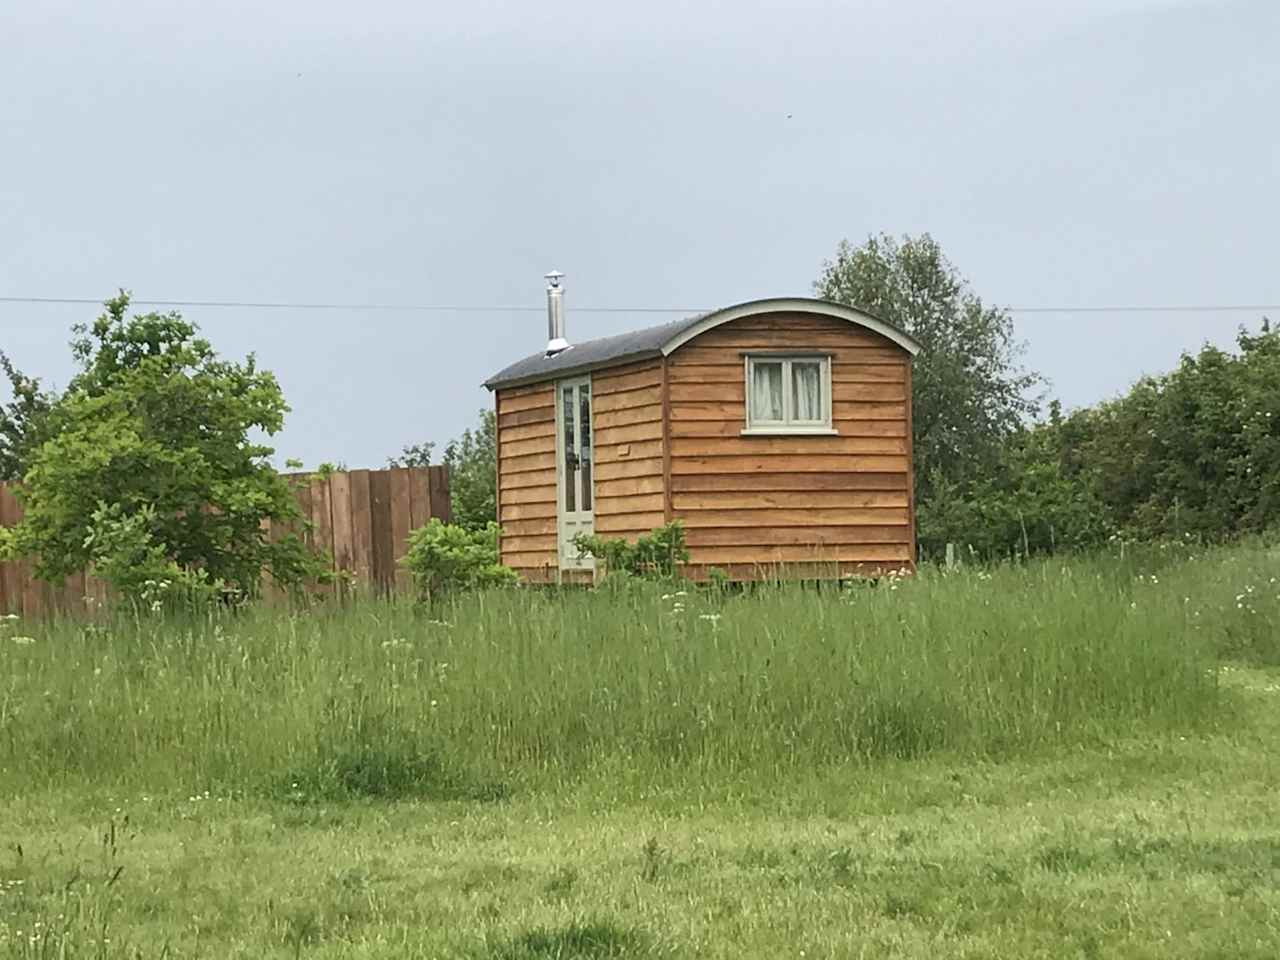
x,y
777,431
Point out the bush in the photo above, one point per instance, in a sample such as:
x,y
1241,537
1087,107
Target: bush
x,y
127,556
164,433
654,556
445,557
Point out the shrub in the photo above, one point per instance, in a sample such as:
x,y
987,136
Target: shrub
x,y
126,555
165,433
445,557
654,556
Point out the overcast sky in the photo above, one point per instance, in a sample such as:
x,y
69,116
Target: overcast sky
x,y
662,154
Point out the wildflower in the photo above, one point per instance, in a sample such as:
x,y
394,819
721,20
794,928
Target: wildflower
x,y
24,641
712,617
10,616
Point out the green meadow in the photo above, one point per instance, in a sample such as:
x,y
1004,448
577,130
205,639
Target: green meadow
x,y
1066,758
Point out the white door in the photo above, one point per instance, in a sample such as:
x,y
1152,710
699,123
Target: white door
x,y
573,448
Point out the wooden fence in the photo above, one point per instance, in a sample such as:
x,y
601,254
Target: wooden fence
x,y
361,518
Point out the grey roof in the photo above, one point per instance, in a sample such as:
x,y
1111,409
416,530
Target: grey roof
x,y
592,354
662,339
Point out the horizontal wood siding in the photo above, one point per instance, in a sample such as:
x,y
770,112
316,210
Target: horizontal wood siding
x,y
527,480
627,406
811,506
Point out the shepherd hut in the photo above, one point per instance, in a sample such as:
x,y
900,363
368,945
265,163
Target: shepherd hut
x,y
778,432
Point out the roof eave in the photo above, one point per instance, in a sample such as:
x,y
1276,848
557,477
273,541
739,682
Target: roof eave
x,y
828,308
497,383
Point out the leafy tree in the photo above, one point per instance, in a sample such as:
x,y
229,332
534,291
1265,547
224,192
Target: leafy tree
x,y
149,452
413,455
23,420
1197,450
969,392
1191,453
1032,501
472,460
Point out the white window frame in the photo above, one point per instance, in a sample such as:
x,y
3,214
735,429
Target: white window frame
x,y
788,425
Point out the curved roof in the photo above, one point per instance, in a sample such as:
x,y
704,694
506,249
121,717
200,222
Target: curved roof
x,y
661,340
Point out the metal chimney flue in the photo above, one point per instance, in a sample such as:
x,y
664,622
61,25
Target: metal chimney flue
x,y
555,314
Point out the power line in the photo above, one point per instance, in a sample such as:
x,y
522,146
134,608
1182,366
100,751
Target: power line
x,y
526,308
1167,308
390,307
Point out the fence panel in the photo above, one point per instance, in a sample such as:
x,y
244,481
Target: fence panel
x,y
359,519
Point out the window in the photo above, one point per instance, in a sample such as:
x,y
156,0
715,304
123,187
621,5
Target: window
x,y
788,394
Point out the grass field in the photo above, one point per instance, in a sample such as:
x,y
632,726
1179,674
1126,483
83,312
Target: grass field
x,y
1064,759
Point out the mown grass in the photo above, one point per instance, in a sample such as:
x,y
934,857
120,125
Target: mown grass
x,y
1153,847
518,689
1062,759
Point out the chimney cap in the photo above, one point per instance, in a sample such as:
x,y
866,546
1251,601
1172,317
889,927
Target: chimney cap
x,y
554,277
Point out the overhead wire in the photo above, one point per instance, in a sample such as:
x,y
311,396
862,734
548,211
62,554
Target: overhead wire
x,y
529,308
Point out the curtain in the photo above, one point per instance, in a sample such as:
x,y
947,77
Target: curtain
x,y
766,391
806,390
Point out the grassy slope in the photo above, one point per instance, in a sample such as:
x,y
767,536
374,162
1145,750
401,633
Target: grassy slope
x,y
1153,849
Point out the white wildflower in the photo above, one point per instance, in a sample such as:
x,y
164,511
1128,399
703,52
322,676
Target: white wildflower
x,y
24,641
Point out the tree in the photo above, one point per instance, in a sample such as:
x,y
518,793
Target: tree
x,y
969,393
472,460
1195,451
23,421
413,455
148,457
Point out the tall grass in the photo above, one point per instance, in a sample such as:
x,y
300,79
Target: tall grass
x,y
521,687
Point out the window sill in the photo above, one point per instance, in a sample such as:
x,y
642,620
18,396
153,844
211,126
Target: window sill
x,y
789,432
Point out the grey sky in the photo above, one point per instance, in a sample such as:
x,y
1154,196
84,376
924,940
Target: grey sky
x,y
661,154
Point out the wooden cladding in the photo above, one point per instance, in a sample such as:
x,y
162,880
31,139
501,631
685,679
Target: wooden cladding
x,y
527,479
629,449
754,504
360,518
